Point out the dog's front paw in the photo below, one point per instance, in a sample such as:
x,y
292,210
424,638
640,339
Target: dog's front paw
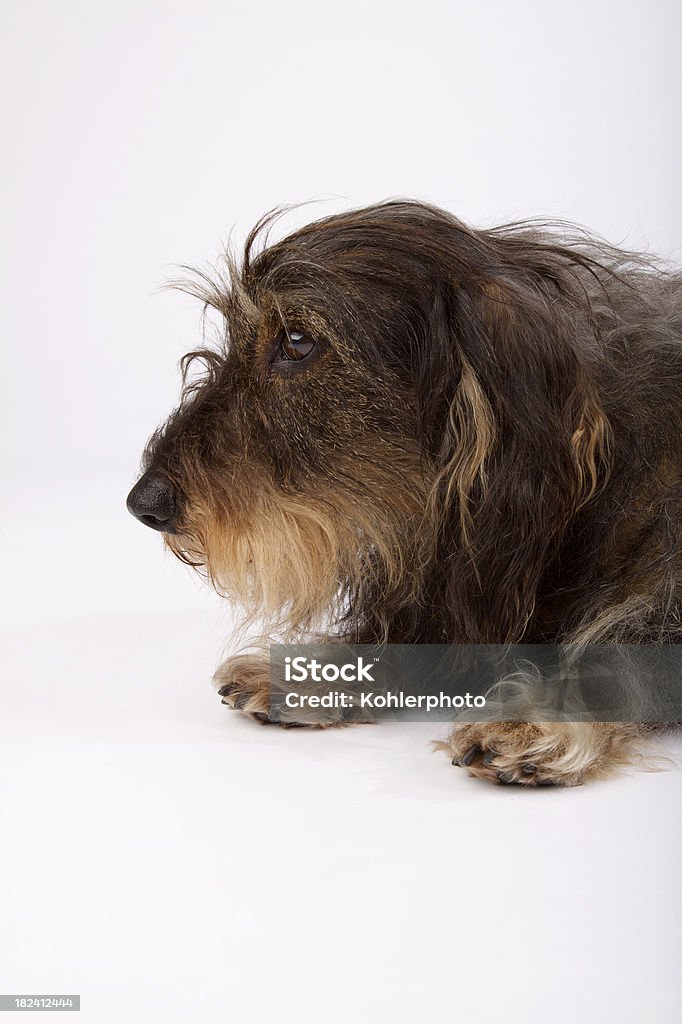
x,y
541,754
243,682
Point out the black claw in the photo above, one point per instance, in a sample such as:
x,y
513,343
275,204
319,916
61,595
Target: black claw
x,y
506,778
225,690
529,769
490,755
262,717
226,702
471,755
456,762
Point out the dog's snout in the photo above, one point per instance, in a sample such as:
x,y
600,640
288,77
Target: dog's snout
x,y
154,502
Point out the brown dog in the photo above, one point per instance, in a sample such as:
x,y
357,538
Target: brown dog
x,y
417,432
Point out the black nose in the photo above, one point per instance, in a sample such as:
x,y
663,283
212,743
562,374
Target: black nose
x,y
153,501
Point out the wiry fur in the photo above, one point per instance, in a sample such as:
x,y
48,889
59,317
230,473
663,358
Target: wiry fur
x,y
486,448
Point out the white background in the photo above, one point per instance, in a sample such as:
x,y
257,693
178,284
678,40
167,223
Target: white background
x,y
163,857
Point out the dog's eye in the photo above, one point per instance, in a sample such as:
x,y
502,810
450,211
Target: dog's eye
x,y
294,345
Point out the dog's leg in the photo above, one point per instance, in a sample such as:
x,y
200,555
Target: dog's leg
x,y
545,754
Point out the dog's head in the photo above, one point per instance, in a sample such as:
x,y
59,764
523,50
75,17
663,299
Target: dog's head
x,y
396,427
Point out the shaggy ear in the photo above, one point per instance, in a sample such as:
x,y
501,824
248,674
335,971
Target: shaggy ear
x,y
523,446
